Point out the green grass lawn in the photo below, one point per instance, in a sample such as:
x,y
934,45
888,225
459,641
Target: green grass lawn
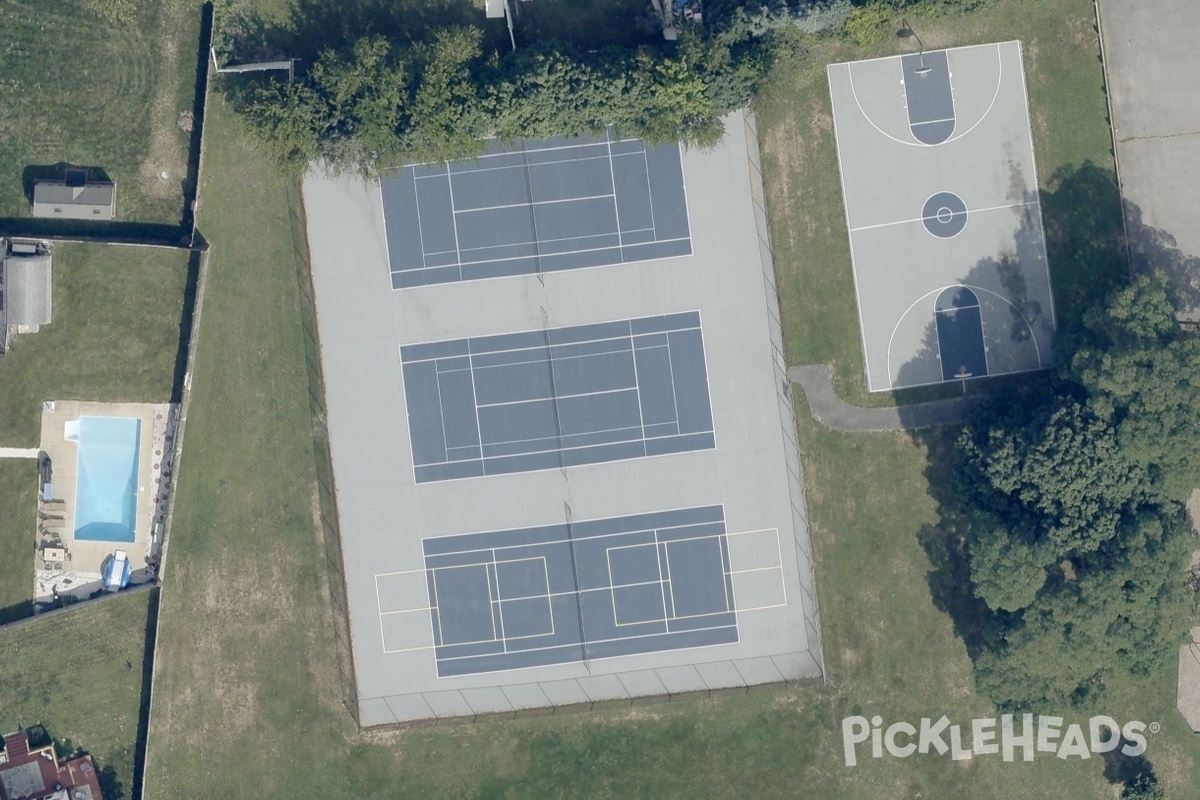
x,y
247,661
114,337
78,674
99,94
18,511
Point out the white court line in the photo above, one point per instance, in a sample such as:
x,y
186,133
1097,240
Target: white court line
x,y
564,448
474,399
608,641
539,203
487,574
928,121
1036,192
871,122
453,218
650,195
687,239
704,351
548,149
621,336
558,396
737,609
560,359
442,413
570,540
501,599
665,578
612,177
934,216
532,164
491,621
420,230
530,242
544,241
837,144
1032,334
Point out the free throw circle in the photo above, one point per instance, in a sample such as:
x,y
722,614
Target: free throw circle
x,y
944,215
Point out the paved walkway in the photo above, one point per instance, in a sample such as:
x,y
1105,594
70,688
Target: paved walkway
x,y
832,412
17,452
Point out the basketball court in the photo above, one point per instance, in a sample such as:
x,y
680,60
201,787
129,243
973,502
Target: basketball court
x,y
943,212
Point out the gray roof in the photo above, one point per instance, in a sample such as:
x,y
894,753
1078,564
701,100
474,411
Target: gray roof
x,y
27,290
54,198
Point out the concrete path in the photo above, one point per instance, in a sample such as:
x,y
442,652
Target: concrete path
x,y
832,412
17,452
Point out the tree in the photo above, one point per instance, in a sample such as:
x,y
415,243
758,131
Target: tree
x,y
1142,372
1119,613
1144,787
1057,480
380,102
1070,496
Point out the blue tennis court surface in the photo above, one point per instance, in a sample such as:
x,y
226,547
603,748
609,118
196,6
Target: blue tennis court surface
x,y
557,397
535,206
580,590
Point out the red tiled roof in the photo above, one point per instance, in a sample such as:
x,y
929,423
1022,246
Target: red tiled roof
x,y
34,775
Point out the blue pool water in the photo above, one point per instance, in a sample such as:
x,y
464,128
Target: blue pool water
x,y
106,492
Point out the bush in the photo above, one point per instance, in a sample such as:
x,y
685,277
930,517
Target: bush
x,y
865,26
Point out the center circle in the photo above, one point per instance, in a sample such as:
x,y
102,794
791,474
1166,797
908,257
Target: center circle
x,y
944,215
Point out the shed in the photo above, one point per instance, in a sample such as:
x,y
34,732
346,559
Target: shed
x,y
74,197
27,291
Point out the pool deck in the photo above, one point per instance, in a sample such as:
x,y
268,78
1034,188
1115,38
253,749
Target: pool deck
x,y
80,573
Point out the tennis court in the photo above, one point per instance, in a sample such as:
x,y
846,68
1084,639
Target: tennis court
x,y
581,591
557,397
533,207
944,216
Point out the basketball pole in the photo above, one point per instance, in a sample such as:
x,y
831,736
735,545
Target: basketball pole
x,y
907,31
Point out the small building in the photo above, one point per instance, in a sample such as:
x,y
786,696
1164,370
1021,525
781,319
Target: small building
x,y
74,197
26,286
36,774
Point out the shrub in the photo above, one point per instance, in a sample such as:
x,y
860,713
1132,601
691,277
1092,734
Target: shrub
x,y
865,25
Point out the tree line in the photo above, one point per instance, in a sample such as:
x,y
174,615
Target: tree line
x,y
381,102
1070,495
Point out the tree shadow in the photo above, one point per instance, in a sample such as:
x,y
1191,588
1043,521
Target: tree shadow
x,y
1128,770
186,322
1087,256
191,182
143,725
16,611
1152,248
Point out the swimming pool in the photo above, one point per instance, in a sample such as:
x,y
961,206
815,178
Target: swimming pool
x,y
106,492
